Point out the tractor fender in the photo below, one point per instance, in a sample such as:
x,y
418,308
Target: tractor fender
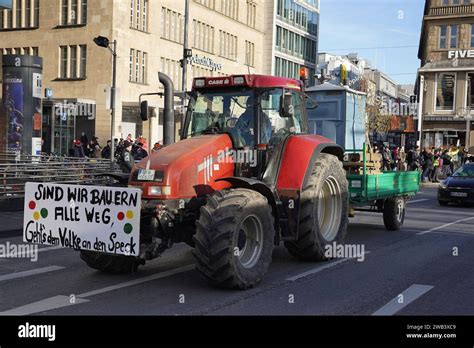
x,y
299,156
261,188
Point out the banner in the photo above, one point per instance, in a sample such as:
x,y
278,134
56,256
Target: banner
x,y
103,219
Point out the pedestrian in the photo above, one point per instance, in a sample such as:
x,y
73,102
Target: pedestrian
x,y
106,150
140,153
402,163
447,163
427,165
395,158
386,158
126,160
78,150
156,147
437,164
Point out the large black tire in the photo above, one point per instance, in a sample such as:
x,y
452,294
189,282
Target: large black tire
x,y
443,203
225,255
394,213
313,236
115,264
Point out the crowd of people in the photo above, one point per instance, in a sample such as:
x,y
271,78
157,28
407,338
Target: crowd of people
x,y
432,162
127,150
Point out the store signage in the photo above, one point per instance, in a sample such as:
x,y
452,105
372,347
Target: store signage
x,y
205,61
461,54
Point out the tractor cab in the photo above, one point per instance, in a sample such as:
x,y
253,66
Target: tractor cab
x,y
257,112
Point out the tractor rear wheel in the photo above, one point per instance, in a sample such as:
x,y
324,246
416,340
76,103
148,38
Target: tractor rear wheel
x,y
234,238
115,264
323,215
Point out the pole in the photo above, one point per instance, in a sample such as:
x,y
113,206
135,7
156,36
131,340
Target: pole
x,y
184,81
112,106
468,130
420,111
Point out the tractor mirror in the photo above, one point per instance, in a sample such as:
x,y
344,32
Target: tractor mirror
x,y
144,110
286,105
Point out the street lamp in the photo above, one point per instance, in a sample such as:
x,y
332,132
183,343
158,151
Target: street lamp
x,y
104,42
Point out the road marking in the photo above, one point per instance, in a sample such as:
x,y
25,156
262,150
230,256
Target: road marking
x,y
44,305
320,268
61,301
409,295
138,281
445,225
40,250
29,273
418,201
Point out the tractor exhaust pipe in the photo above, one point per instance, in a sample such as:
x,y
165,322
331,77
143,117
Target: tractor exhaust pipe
x,y
168,113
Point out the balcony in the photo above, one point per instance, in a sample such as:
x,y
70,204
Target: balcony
x,y
452,10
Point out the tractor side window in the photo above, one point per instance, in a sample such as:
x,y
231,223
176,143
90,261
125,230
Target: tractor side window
x,y
274,127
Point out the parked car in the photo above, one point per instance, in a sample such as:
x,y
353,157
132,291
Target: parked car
x,y
459,187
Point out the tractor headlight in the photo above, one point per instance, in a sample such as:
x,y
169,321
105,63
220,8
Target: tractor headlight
x,y
159,190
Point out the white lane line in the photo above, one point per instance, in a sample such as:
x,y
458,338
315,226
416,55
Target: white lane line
x,y
138,281
29,273
320,268
418,201
51,248
44,305
64,301
445,225
404,299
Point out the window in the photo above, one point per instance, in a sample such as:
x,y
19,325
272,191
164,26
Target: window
x,y
442,36
172,68
72,62
138,66
228,45
249,53
445,87
139,14
229,8
203,36
472,35
470,91
251,14
32,51
208,3
24,14
73,12
63,69
172,25
454,36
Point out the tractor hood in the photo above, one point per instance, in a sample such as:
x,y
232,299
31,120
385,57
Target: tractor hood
x,y
184,169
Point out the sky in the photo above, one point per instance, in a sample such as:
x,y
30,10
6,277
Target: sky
x,y
352,26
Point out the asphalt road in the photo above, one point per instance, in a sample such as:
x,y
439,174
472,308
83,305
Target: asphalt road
x,y
429,263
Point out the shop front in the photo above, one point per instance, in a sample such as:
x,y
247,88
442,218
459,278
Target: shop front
x,y
64,121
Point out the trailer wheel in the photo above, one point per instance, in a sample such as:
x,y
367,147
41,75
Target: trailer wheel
x,y
115,264
324,208
234,238
394,213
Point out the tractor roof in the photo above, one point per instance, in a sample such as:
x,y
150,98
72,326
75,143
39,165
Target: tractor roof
x,y
251,81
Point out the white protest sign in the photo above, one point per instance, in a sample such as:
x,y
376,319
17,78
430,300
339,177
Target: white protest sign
x,y
103,219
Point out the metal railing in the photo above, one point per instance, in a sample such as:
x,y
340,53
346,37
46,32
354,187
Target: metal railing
x,y
451,10
16,170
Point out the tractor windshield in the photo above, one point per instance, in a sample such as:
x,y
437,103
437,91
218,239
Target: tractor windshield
x,y
233,112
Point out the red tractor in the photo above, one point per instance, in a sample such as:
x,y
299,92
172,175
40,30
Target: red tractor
x,y
246,176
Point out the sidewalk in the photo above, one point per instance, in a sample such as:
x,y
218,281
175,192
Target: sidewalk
x,y
430,184
11,221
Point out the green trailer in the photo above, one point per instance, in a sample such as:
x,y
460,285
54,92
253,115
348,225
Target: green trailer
x,y
385,192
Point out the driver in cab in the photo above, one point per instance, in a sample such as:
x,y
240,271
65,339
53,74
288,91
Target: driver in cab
x,y
246,125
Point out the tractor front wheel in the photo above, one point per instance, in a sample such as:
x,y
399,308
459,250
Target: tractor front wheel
x,y
234,238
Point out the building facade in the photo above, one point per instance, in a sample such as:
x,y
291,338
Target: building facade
x,y
226,37
291,37
445,85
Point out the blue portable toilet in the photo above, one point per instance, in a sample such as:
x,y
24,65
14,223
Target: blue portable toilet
x,y
340,115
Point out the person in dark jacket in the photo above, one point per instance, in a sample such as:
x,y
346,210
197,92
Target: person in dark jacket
x,y
106,150
428,166
126,160
78,150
